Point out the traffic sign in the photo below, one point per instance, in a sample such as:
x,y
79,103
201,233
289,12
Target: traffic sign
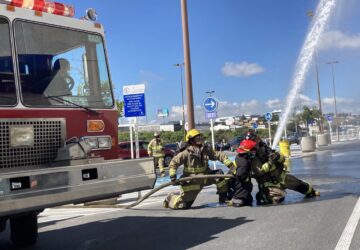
x,y
210,115
268,116
329,118
210,104
134,100
255,125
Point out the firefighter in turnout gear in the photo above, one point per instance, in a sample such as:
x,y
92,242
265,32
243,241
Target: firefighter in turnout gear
x,y
195,158
240,187
156,149
270,172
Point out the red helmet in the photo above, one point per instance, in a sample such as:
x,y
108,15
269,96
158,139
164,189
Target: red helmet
x,y
246,146
250,135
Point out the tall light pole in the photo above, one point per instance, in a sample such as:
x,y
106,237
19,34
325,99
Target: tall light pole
x,y
336,113
181,65
310,14
187,61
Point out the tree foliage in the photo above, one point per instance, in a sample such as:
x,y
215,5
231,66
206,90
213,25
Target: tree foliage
x,y
120,107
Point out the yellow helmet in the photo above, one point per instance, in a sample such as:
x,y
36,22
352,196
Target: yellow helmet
x,y
191,134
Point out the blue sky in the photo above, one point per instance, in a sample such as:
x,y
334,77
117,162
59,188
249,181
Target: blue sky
x,y
244,50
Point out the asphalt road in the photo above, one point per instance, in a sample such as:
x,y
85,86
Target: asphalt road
x,y
327,222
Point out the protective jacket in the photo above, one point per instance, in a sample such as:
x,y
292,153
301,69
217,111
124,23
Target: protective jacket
x,y
156,148
271,173
196,160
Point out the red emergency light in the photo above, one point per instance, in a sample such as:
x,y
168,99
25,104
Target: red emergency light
x,y
44,6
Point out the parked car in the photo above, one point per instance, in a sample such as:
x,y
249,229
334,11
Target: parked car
x,y
235,142
294,138
124,151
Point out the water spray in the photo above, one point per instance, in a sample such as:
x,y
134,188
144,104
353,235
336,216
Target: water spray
x,y
322,15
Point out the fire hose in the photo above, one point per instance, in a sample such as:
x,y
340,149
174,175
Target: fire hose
x,y
176,182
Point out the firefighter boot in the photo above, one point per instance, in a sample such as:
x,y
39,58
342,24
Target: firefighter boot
x,y
313,193
222,198
237,203
167,200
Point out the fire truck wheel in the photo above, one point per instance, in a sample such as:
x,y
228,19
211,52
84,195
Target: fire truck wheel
x,y
24,230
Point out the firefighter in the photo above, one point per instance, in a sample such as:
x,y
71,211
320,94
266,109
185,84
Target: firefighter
x,y
156,149
195,158
270,172
240,187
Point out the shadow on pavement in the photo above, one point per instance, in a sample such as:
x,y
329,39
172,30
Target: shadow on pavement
x,y
136,232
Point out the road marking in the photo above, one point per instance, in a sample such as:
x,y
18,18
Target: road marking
x,y
348,233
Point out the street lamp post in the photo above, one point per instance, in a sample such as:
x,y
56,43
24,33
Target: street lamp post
x,y
336,113
310,14
180,65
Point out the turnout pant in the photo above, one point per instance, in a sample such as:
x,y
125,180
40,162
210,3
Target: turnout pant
x,y
159,161
293,183
190,190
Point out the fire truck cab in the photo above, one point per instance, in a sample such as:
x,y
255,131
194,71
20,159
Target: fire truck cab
x,y
58,118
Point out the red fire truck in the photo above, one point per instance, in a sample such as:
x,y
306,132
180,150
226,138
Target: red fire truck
x,y
58,120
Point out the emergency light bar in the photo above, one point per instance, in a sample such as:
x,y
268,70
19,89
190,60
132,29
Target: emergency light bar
x,y
43,6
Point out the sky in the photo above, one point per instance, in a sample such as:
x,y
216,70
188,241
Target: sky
x,y
244,50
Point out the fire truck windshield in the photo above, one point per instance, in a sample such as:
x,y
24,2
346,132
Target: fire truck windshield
x,y
57,61
7,83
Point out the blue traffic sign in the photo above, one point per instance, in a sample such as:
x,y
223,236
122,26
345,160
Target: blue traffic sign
x,y
329,118
268,116
210,115
134,105
255,125
210,104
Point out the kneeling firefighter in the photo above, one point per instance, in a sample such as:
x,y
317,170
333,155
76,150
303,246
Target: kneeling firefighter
x,y
270,172
240,187
195,158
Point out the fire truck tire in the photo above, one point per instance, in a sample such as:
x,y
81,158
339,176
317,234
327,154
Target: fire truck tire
x,y
24,230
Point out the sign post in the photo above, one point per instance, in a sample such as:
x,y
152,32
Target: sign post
x,y
211,105
134,106
268,117
255,126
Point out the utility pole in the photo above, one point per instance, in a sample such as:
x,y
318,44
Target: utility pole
x,y
187,61
336,113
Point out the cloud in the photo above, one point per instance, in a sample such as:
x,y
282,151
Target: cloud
x,y
340,40
255,107
330,100
275,103
242,69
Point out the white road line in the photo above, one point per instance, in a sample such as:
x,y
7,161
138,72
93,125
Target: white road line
x,y
348,233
